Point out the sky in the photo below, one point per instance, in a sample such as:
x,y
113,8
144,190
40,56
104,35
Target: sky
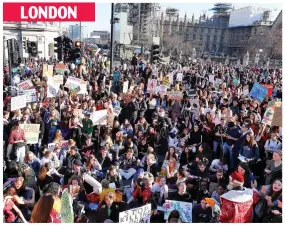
x,y
103,12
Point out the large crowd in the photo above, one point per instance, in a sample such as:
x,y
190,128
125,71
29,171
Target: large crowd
x,y
208,146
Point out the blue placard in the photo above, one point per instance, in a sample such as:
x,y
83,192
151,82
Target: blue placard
x,y
258,92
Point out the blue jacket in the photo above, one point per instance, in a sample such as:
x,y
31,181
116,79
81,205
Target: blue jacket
x,y
250,152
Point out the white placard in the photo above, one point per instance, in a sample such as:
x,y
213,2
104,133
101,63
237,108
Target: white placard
x,y
184,208
30,95
137,215
52,91
99,117
125,86
179,77
72,82
18,102
117,110
57,80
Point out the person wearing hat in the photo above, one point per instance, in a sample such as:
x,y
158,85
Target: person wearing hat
x,y
237,203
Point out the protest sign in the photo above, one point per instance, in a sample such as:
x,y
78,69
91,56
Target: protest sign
x,y
83,87
268,116
63,145
184,209
137,215
25,85
175,95
57,80
60,68
72,82
162,90
45,70
31,132
192,93
117,110
165,81
245,90
212,79
99,117
50,70
74,91
151,86
258,92
277,117
179,77
270,89
51,91
30,95
66,207
125,86
18,102
77,112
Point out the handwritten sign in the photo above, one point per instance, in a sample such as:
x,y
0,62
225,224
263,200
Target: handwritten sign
x,y
60,68
25,85
57,80
18,102
137,215
277,117
270,89
184,209
66,207
151,86
175,95
258,92
83,87
99,117
31,132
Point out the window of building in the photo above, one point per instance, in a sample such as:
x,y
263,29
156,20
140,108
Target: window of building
x,y
209,30
208,38
202,30
214,48
201,37
216,31
194,37
215,38
195,29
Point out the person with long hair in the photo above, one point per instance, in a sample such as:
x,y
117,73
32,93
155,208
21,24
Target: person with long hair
x,y
42,212
10,208
92,165
273,167
58,137
249,149
269,196
171,171
47,175
244,170
171,154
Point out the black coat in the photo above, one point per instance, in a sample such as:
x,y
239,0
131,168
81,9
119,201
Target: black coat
x,y
116,208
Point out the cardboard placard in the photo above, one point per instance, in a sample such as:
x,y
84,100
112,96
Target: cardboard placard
x,y
175,95
137,215
25,85
277,117
31,132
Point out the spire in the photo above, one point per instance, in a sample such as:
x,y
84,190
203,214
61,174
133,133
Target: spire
x,y
185,18
193,18
177,19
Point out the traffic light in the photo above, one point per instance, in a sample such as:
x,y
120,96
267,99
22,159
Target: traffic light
x,y
34,48
13,50
76,53
155,52
25,46
58,47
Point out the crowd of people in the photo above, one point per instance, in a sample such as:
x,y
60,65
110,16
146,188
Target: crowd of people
x,y
208,147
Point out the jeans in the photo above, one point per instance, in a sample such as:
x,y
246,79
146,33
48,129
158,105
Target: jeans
x,y
228,149
215,147
127,173
20,153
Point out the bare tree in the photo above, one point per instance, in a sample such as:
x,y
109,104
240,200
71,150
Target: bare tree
x,y
269,41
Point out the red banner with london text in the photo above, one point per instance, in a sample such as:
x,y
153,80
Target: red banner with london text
x,y
49,11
